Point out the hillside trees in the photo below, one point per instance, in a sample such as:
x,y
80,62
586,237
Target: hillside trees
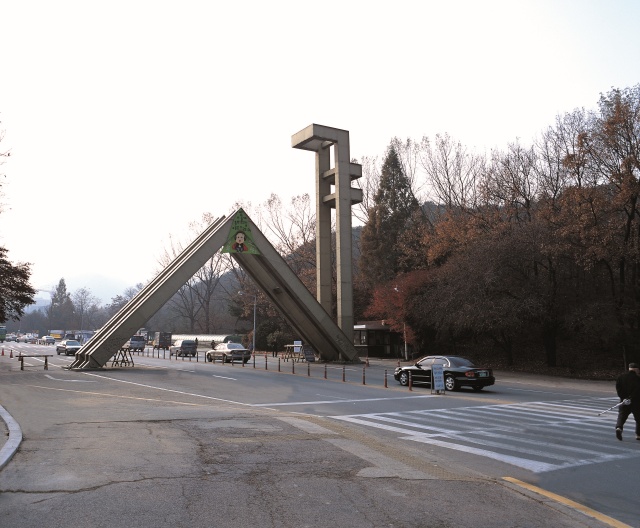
x,y
614,148
539,240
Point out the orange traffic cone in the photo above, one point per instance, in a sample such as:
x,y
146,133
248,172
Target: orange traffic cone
x,y
3,351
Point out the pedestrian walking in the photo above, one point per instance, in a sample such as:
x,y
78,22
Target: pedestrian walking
x,y
628,389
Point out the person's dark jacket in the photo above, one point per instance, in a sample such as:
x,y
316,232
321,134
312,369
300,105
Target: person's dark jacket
x,y
628,386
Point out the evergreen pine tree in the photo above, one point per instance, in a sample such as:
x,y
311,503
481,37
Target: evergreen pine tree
x,y
394,205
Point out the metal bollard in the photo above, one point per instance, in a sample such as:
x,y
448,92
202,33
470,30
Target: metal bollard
x,y
309,370
278,364
363,378
254,361
325,371
266,366
343,373
410,382
293,366
385,379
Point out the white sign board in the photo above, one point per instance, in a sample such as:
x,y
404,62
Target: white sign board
x,y
297,346
437,378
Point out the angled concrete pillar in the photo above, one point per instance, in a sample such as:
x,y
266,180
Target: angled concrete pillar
x,y
263,264
333,191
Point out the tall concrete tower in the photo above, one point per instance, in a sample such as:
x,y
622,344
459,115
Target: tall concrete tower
x,y
333,191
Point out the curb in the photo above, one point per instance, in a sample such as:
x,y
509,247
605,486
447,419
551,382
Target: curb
x,y
15,438
567,503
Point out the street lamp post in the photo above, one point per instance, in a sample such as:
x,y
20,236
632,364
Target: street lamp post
x,y
404,333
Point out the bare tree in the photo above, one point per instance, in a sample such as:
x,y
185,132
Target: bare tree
x,y
194,301
86,306
451,171
290,228
409,154
510,182
369,184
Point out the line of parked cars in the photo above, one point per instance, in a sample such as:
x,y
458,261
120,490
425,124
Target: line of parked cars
x,y
457,371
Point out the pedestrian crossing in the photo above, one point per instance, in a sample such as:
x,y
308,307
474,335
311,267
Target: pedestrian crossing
x,y
538,436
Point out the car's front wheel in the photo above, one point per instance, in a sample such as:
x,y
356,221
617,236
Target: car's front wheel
x,y
450,383
403,378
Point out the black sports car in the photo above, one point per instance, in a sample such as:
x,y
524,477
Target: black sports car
x,y
458,371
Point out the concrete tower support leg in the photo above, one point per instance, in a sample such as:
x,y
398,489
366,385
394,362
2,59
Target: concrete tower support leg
x,y
318,139
323,232
344,273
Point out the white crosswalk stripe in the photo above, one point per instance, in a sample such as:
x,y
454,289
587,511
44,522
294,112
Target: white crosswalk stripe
x,y
538,436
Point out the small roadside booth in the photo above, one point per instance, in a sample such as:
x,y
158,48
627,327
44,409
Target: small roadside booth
x,y
376,339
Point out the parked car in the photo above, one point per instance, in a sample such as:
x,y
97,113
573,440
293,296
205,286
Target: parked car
x,y
137,342
68,346
183,347
458,372
47,340
228,352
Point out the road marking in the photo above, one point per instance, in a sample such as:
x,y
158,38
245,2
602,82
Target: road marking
x,y
114,395
68,380
537,436
169,390
224,377
568,502
325,402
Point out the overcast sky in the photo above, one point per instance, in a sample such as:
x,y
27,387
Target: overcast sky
x,y
127,120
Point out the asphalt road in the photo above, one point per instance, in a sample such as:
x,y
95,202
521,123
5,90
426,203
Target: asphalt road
x,y
189,443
